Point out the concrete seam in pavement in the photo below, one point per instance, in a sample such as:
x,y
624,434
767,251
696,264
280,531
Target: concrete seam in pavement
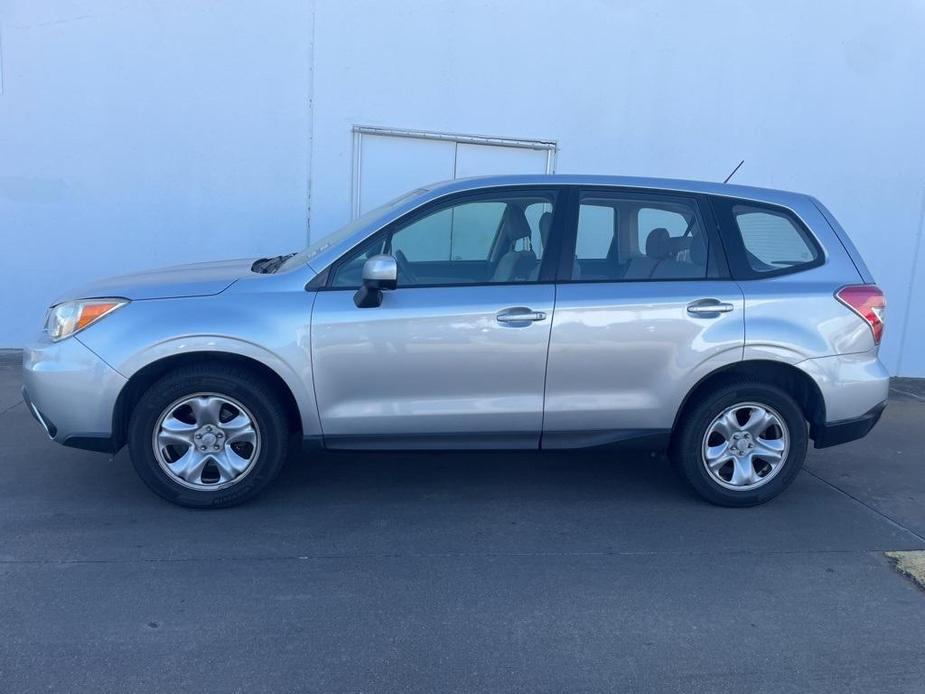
x,y
7,409
880,513
443,555
894,389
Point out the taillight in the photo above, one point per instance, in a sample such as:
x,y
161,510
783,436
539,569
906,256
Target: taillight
x,y
868,302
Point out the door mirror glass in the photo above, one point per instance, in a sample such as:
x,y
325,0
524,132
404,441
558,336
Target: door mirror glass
x,y
379,273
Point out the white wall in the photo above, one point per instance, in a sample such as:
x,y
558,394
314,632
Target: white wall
x,y
821,97
176,131
137,134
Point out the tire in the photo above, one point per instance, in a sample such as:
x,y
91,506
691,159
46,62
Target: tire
x,y
744,473
246,414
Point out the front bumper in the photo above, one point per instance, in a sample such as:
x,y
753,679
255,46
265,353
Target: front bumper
x,y
71,392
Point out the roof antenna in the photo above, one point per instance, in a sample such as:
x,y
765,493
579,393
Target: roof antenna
x,y
734,171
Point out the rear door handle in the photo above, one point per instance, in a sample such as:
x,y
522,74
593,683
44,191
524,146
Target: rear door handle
x,y
708,308
520,315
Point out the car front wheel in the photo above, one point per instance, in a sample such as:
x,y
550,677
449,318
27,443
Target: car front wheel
x,y
741,444
203,437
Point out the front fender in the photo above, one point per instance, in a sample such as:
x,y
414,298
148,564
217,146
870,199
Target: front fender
x,y
272,329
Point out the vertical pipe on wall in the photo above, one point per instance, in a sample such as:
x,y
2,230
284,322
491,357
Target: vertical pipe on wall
x,y
355,183
311,128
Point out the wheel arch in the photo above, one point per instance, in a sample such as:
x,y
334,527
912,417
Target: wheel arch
x,y
143,378
788,377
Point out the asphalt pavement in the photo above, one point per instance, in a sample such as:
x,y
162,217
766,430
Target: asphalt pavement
x,y
461,572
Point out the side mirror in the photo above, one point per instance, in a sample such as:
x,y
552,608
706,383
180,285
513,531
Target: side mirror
x,y
379,273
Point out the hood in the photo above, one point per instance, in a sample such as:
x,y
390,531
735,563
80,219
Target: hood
x,y
196,279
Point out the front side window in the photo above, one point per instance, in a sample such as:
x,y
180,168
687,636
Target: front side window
x,y
492,239
772,240
539,217
464,232
622,237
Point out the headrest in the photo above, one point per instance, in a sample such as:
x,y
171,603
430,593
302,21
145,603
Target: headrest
x,y
514,224
658,243
545,225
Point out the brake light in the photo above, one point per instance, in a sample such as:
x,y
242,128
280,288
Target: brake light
x,y
868,302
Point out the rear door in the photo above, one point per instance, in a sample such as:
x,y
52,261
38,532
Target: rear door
x,y
644,309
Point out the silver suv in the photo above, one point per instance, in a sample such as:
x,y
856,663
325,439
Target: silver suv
x,y
728,324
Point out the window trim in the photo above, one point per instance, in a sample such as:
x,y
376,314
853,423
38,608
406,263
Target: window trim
x,y
550,252
717,261
735,244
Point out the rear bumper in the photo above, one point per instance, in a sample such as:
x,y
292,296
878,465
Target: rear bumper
x,y
834,433
71,392
851,385
854,389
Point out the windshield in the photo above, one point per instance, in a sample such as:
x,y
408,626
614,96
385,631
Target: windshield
x,y
344,232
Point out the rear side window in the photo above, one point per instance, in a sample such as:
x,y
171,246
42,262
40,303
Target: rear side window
x,y
596,229
629,236
772,240
648,218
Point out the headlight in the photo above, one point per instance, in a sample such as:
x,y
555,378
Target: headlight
x,y
73,316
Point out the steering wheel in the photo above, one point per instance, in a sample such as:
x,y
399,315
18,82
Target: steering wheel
x,y
404,269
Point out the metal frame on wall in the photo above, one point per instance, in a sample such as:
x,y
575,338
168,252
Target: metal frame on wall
x,y
551,148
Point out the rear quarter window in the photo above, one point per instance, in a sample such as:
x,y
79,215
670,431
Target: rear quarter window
x,y
772,241
765,240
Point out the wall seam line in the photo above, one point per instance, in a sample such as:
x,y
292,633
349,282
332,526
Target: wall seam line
x,y
904,331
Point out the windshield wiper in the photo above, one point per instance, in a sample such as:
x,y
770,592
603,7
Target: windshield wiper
x,y
268,266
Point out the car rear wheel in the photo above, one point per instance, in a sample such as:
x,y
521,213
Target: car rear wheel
x,y
741,444
202,438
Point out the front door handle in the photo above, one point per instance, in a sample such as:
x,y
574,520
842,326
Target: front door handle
x,y
708,308
520,315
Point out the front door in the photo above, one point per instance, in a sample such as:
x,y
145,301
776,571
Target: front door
x,y
456,355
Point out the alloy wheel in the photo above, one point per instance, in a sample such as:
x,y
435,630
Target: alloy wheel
x,y
745,446
206,441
